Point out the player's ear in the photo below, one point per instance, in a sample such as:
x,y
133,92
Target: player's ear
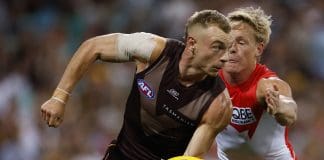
x,y
191,44
260,48
191,41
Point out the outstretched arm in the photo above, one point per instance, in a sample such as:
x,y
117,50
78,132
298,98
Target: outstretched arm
x,y
142,48
216,118
277,95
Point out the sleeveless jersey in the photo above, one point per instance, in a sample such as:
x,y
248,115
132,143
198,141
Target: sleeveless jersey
x,y
251,123
161,114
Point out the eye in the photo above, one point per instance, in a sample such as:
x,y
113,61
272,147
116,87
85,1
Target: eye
x,y
216,48
241,42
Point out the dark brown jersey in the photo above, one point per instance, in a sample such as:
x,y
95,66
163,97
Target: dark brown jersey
x,y
161,114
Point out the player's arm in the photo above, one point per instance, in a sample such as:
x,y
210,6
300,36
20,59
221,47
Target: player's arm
x,y
277,95
142,48
216,118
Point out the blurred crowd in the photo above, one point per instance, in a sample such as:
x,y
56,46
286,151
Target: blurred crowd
x,y
38,38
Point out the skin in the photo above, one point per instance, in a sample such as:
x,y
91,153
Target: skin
x,y
203,48
272,93
204,55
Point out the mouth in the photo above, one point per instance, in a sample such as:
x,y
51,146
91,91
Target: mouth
x,y
216,68
232,61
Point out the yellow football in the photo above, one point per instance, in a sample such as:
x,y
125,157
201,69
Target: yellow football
x,y
184,158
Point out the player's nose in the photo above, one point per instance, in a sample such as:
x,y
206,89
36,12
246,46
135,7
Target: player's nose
x,y
225,57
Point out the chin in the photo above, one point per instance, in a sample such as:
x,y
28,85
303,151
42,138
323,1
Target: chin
x,y
230,70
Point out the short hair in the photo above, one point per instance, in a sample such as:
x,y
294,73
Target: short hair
x,y
256,18
205,18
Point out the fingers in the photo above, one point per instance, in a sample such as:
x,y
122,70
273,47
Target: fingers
x,y
51,115
51,121
272,99
275,87
272,93
271,107
45,115
43,112
54,121
58,121
271,110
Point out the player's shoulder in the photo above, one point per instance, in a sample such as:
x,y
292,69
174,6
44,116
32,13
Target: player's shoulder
x,y
136,36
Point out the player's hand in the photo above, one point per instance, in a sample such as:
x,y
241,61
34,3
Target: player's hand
x,y
272,99
52,112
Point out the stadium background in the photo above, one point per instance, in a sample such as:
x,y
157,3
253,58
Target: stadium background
x,y
38,37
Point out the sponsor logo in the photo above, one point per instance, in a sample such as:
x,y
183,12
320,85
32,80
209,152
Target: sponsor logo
x,y
145,88
242,116
173,93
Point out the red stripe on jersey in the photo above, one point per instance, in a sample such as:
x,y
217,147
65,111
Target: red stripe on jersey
x,y
289,146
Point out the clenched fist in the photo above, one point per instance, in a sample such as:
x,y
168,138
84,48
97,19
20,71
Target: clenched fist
x,y
53,111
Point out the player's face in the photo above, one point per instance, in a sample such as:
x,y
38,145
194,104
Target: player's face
x,y
210,48
243,52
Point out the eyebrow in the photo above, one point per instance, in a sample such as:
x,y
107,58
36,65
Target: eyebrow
x,y
240,38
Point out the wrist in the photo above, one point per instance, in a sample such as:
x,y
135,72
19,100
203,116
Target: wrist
x,y
61,95
58,99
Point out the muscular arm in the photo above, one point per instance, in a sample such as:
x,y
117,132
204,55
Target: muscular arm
x,y
276,94
103,48
216,118
142,48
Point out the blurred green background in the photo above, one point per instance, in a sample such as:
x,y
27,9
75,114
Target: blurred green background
x,y
38,37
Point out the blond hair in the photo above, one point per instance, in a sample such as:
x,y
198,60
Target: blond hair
x,y
205,18
256,18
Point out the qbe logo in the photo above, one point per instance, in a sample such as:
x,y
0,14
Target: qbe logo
x,y
242,116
